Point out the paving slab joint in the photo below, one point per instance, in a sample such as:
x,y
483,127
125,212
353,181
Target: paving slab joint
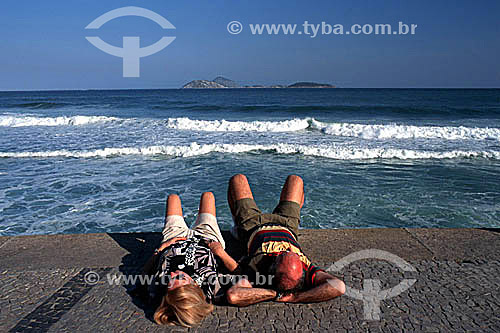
x,y
421,242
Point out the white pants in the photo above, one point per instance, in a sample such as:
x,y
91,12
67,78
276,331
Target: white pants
x,y
205,226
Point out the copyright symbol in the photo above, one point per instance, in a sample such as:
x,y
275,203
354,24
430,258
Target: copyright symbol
x,y
91,278
234,27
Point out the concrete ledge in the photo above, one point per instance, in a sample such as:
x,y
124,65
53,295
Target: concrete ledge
x,y
42,284
107,250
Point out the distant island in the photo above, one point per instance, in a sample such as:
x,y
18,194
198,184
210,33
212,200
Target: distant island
x,y
222,82
310,85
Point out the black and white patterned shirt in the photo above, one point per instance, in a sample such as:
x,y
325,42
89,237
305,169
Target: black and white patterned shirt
x,y
193,257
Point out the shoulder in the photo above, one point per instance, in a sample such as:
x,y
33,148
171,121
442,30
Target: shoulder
x,y
312,273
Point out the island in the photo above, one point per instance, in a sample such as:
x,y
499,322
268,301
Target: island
x,y
226,82
218,82
221,82
203,84
310,85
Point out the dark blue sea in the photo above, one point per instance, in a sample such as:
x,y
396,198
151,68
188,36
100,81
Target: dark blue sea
x,y
105,161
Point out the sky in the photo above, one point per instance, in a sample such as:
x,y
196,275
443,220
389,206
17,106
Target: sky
x,y
456,44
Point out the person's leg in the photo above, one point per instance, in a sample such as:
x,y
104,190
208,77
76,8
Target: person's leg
x,y
238,189
293,190
291,202
174,206
246,214
206,222
174,222
207,204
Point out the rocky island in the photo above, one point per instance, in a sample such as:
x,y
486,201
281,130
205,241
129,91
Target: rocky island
x,y
203,84
222,82
218,82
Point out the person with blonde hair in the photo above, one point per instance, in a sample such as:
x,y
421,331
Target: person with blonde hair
x,y
186,280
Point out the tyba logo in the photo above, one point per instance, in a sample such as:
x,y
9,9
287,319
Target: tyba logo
x,y
131,52
371,295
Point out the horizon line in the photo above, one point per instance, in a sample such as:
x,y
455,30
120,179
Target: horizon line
x,y
236,88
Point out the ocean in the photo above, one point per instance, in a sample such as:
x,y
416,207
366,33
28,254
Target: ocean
x,y
105,161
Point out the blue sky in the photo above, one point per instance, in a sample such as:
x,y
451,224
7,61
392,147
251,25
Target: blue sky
x,y
457,44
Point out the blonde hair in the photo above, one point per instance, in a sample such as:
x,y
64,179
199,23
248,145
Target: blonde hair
x,y
185,306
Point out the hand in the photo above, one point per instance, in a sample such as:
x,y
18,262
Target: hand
x,y
215,247
286,298
170,242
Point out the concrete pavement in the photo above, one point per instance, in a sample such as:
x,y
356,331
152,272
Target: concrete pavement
x,y
457,273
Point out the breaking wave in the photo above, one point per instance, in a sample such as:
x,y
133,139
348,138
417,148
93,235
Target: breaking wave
x,y
238,126
333,152
363,131
23,121
394,131
387,131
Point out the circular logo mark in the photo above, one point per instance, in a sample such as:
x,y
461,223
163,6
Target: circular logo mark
x,y
234,27
91,278
372,294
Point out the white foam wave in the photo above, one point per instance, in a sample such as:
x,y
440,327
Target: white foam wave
x,y
238,126
364,131
23,121
333,152
343,153
393,131
179,151
368,132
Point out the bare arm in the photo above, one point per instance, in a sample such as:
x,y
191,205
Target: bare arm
x,y
243,294
153,260
326,287
219,251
